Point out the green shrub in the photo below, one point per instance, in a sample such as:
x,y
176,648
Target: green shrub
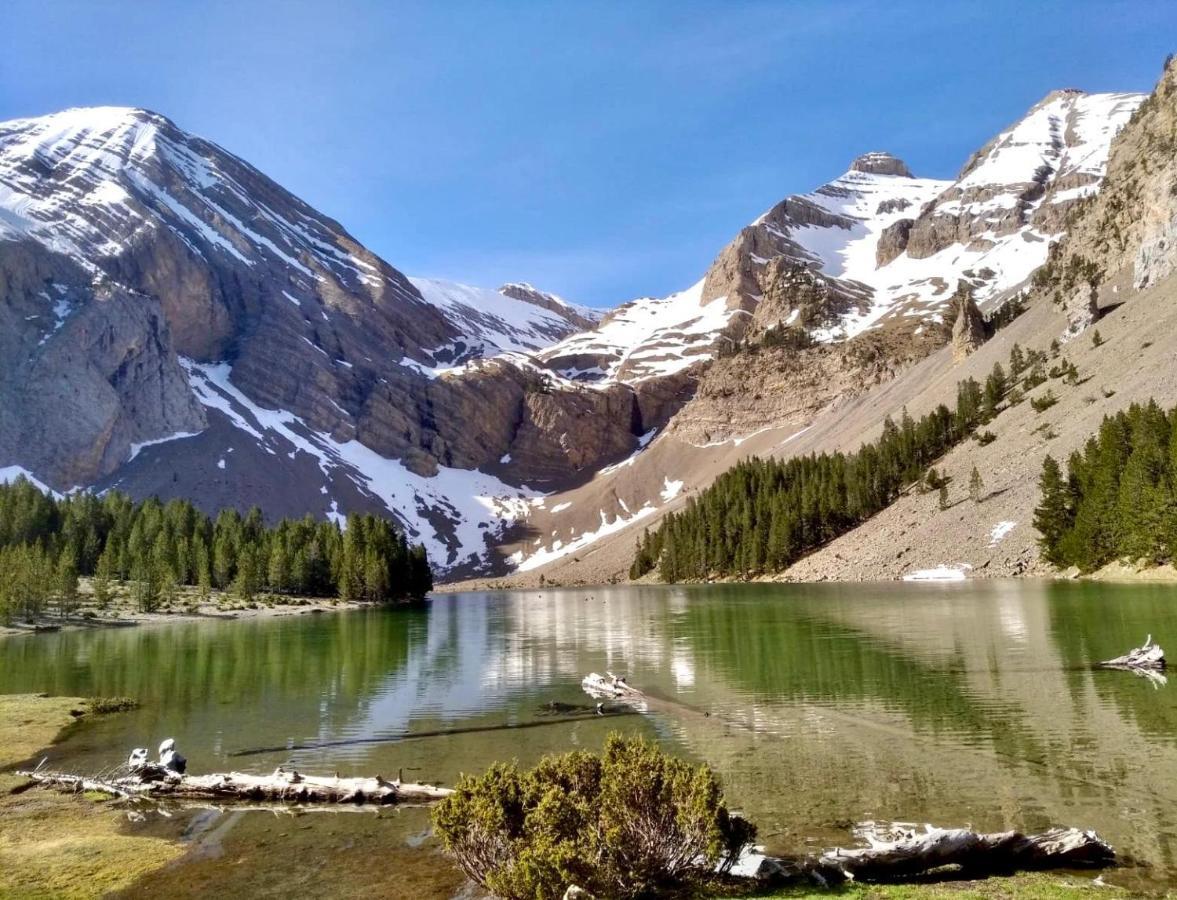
x,y
1045,402
632,822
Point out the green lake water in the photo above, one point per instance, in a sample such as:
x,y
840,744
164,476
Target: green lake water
x,y
820,706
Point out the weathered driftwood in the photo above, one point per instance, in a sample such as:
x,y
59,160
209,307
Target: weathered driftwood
x,y
913,852
1148,656
613,687
1147,661
282,786
907,853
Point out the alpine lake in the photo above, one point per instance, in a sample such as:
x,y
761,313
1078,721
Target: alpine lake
x,y
821,706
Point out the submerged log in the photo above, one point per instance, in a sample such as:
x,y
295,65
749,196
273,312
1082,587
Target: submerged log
x,y
1148,656
281,787
906,854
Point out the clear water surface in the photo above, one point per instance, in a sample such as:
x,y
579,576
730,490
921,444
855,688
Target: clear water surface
x,y
820,706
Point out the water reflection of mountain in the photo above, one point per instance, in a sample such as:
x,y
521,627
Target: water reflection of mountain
x,y
971,704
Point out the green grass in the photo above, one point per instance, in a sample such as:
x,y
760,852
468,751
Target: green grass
x,y
1036,886
61,845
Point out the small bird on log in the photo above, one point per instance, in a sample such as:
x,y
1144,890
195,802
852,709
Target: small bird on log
x,y
170,758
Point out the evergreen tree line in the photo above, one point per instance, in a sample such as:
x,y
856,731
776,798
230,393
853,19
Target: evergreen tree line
x,y
46,543
1118,499
763,515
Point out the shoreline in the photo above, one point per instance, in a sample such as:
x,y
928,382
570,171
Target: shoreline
x,y
1115,572
222,607
62,845
123,614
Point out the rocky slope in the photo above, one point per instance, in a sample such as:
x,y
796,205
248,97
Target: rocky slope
x,y
866,268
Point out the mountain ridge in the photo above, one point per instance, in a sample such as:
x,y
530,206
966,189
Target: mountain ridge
x,y
289,364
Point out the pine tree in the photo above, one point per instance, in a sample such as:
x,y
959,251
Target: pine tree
x,y
278,570
976,485
103,591
1017,362
145,586
247,581
943,497
67,585
1053,516
995,387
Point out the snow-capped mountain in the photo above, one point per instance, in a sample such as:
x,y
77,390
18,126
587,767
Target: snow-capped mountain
x,y
881,249
874,248
174,322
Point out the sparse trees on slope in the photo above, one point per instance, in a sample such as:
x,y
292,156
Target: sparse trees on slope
x,y
762,515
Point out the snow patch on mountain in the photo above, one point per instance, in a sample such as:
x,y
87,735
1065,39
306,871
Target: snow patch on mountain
x,y
493,322
642,339
558,549
9,474
136,449
453,513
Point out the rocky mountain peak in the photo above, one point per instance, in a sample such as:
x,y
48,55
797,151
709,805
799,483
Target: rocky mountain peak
x,y
879,162
526,293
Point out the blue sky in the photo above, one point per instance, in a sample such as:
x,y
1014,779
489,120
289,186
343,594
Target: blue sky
x,y
603,150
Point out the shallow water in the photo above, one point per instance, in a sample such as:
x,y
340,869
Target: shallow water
x,y
820,706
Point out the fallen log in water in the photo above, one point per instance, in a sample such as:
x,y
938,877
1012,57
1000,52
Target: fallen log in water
x,y
613,687
282,786
1147,661
1148,656
908,853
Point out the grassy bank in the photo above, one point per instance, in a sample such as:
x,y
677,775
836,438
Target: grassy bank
x,y
1036,886
55,845
121,611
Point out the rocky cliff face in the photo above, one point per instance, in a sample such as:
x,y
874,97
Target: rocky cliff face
x,y
88,370
153,287
968,326
1126,236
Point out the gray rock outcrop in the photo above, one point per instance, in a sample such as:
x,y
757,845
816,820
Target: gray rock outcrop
x,y
969,330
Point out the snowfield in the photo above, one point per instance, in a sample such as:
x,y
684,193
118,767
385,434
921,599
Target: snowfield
x,y
940,573
475,506
646,338
493,322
